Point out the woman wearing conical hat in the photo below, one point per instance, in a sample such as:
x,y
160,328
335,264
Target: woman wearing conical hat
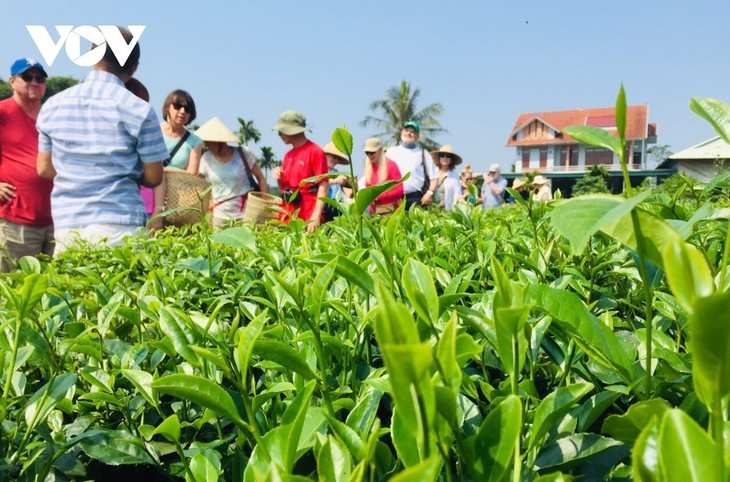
x,y
222,166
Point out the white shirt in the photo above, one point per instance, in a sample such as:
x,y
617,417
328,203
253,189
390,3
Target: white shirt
x,y
412,160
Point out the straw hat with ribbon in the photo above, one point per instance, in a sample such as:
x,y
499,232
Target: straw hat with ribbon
x,y
518,183
331,149
539,180
447,149
216,131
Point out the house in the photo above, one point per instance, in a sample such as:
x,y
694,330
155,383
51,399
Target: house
x,y
541,145
701,161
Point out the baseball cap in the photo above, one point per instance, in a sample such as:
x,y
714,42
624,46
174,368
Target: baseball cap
x,y
494,167
413,124
21,65
372,145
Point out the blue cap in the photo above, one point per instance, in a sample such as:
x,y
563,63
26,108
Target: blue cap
x,y
414,125
21,65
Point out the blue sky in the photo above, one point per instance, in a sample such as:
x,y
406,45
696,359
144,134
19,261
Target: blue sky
x,y
484,61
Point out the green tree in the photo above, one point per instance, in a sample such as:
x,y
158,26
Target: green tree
x,y
399,106
247,132
268,160
54,85
658,154
594,181
5,90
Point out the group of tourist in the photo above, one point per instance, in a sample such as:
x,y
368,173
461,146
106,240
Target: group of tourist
x,y
91,163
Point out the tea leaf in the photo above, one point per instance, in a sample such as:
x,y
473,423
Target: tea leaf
x,y
418,285
572,449
710,347
342,139
688,274
236,237
496,439
426,471
553,407
627,427
595,136
169,428
204,392
621,113
284,355
686,452
714,111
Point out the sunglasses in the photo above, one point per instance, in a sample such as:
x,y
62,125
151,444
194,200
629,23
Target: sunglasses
x,y
28,77
446,156
179,106
371,153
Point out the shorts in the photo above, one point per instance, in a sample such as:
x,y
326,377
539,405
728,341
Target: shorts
x,y
104,234
18,240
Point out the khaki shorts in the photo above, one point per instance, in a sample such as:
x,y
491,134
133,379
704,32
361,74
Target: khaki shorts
x,y
18,240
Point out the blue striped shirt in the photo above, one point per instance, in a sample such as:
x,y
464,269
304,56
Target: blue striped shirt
x,y
98,134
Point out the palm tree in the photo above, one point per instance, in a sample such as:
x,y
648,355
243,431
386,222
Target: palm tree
x,y
247,132
398,107
268,160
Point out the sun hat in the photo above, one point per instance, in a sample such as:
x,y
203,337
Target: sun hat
x,y
372,145
414,125
216,131
539,180
447,149
21,65
291,123
331,149
518,183
494,167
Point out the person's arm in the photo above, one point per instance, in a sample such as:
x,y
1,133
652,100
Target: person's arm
x,y
394,194
152,174
44,165
256,170
314,220
194,160
159,193
428,195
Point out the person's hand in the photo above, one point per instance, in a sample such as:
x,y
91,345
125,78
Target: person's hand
x,y
427,198
276,173
338,180
488,178
7,192
155,224
313,224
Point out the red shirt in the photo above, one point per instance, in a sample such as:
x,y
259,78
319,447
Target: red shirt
x,y
393,195
18,154
300,163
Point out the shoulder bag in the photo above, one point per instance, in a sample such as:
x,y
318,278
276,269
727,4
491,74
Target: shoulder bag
x,y
251,178
176,148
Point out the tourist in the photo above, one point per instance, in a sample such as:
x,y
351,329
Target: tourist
x,y
542,189
378,169
493,187
448,185
185,148
26,227
338,183
222,166
411,158
468,179
99,142
305,160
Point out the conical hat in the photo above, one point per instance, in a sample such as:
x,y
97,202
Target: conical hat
x,y
216,131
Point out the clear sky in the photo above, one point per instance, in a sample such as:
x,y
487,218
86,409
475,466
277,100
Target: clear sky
x,y
485,61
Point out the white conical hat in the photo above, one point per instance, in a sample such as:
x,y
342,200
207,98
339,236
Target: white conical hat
x,y
216,131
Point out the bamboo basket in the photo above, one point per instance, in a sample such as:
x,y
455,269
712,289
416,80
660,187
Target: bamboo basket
x,y
185,190
261,206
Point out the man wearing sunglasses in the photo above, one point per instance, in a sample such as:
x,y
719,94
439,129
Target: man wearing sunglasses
x,y
98,142
26,228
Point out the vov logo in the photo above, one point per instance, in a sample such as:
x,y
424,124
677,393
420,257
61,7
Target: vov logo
x,y
106,36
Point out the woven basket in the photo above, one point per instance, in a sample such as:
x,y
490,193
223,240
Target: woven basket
x,y
261,206
185,190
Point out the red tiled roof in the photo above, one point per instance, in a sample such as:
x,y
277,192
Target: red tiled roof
x,y
636,123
